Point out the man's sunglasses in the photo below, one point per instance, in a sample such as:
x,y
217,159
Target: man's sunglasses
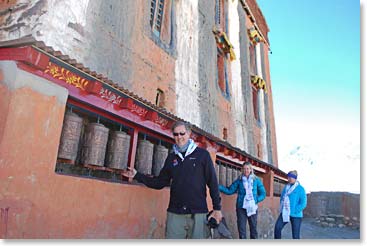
x,y
181,133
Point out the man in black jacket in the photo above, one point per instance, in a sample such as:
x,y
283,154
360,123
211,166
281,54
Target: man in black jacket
x,y
188,170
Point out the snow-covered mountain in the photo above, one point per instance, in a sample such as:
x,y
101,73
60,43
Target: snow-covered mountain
x,y
332,166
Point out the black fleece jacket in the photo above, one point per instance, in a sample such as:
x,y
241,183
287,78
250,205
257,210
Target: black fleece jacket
x,y
188,180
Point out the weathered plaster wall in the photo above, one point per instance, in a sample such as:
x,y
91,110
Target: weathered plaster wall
x,y
188,83
252,128
237,80
211,106
152,67
114,39
111,38
270,117
92,32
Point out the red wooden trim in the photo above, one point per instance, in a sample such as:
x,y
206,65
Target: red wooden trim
x,y
127,104
25,54
94,87
120,120
152,116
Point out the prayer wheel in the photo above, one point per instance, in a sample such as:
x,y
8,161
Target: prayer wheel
x,y
70,135
118,150
160,155
144,157
234,174
229,176
94,144
222,175
216,166
238,173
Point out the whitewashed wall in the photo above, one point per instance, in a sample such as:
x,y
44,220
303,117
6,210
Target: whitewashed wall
x,y
186,68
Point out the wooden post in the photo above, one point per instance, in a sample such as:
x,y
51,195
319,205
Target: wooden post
x,y
132,152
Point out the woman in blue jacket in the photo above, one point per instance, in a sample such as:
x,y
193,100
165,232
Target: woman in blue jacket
x,y
292,202
250,191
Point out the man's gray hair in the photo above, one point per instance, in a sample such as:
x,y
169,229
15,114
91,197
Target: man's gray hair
x,y
181,123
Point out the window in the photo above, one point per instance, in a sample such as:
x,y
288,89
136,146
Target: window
x,y
160,23
225,133
218,12
159,99
156,16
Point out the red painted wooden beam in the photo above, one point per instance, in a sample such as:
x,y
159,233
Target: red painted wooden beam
x,y
127,104
94,87
25,54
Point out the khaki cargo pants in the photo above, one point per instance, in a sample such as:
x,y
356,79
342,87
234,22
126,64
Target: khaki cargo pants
x,y
186,226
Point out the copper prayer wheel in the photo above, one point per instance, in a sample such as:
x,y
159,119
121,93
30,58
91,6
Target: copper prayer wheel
x,y
222,175
160,155
94,144
118,150
229,176
70,135
144,157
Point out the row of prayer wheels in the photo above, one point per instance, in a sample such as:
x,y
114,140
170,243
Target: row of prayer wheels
x,y
102,147
226,175
150,158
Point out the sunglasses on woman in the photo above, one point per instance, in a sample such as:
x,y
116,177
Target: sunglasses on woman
x,y
181,133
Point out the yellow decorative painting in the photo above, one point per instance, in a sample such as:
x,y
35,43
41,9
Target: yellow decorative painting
x,y
66,76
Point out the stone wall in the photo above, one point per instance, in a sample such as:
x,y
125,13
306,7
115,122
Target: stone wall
x,y
334,208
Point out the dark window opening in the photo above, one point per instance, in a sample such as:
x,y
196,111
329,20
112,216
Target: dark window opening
x,y
225,133
159,99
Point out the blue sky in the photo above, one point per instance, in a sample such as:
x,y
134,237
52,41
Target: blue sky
x,y
315,76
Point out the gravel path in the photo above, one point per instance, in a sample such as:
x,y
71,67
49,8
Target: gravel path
x,y
311,230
